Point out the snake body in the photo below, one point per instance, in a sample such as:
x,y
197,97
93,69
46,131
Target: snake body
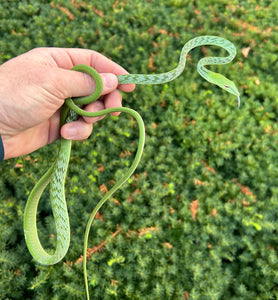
x,y
71,109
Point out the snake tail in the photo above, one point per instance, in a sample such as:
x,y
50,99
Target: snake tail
x,y
70,103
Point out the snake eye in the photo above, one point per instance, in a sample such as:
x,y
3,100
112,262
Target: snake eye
x,y
226,86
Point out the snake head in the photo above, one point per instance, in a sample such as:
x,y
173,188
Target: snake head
x,y
230,87
226,85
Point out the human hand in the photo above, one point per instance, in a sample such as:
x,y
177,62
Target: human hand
x,y
33,88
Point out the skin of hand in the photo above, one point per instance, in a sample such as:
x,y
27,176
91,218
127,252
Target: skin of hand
x,y
33,88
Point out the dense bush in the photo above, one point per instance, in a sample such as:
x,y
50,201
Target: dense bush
x,y
198,219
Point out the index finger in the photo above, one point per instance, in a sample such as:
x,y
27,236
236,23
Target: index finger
x,y
66,58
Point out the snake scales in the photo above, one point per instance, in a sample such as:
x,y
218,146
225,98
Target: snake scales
x,y
71,109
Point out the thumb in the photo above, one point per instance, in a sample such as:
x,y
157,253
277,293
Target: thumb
x,y
79,84
110,83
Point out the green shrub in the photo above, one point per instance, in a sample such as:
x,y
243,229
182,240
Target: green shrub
x,y
198,219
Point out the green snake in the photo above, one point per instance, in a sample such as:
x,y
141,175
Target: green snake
x,y
71,109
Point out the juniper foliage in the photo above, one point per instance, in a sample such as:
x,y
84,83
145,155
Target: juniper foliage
x,y
198,219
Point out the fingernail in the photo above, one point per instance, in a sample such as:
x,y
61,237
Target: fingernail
x,y
110,80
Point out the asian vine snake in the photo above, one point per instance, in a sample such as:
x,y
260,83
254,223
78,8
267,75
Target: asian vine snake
x,y
57,172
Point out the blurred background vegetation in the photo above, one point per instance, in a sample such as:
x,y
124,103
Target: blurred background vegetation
x,y
198,220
